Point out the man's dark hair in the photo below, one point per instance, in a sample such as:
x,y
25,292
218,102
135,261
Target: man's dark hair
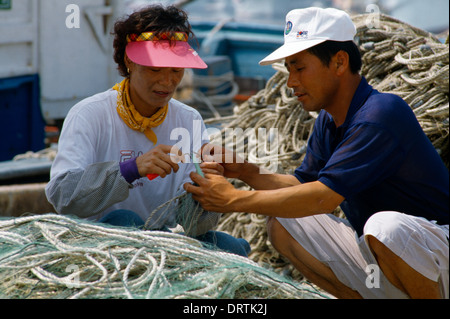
x,y
326,50
154,18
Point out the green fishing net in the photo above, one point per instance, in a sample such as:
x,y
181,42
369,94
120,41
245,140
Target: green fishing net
x,y
53,256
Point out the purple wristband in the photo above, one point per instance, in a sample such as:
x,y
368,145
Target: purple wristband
x,y
130,170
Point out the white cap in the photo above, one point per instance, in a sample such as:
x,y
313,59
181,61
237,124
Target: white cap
x,y
308,27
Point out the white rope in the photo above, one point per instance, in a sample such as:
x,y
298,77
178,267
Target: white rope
x,y
111,262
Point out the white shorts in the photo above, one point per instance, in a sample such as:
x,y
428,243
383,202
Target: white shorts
x,y
420,243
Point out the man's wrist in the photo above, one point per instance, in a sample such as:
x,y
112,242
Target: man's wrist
x,y
248,172
243,201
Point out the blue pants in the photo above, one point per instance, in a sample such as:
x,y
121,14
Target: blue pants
x,y
223,241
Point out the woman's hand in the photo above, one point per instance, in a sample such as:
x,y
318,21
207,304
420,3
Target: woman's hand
x,y
161,160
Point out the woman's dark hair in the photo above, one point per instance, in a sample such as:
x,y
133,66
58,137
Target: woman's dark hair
x,y
326,50
154,18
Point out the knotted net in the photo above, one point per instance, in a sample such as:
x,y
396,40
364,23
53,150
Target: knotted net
x,y
53,256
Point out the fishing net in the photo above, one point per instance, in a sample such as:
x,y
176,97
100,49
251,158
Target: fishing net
x,y
53,256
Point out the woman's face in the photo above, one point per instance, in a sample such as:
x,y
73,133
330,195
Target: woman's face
x,y
152,87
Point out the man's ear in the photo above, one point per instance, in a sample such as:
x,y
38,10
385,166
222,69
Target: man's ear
x,y
341,62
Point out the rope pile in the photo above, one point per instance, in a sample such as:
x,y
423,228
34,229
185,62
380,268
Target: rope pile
x,y
47,153
397,58
413,64
52,256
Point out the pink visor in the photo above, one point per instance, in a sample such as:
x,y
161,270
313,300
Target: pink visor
x,y
163,51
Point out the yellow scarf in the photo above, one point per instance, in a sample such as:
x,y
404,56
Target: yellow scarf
x,y
132,117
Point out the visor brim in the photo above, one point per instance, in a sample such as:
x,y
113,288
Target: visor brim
x,y
178,54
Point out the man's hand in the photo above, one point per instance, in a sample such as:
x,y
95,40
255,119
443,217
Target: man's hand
x,y
232,166
161,160
212,168
213,192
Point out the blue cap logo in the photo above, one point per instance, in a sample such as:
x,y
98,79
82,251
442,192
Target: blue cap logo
x,y
288,28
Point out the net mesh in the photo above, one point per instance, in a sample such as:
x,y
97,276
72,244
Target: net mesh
x,y
53,256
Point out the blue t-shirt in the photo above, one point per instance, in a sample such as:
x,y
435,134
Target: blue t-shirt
x,y
379,159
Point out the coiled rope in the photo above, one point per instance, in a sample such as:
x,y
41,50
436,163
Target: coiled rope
x,y
413,64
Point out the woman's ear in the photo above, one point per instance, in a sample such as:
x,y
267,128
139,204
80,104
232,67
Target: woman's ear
x,y
128,63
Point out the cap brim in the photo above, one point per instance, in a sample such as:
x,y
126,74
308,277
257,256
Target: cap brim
x,y
164,55
289,49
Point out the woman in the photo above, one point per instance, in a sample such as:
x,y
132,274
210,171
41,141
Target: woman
x,y
111,142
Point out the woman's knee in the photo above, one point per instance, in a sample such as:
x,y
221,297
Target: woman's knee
x,y
226,242
123,218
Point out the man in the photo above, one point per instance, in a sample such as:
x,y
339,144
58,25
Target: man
x,y
112,141
368,155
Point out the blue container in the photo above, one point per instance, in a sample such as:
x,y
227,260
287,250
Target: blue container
x,y
22,127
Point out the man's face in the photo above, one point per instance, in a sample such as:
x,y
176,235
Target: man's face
x,y
313,83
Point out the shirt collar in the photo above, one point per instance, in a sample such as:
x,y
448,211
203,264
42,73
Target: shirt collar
x,y
359,98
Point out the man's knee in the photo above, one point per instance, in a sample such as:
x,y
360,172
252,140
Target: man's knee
x,y
278,236
408,250
384,228
387,223
376,247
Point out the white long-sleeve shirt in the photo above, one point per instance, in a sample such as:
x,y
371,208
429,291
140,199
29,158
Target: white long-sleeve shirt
x,y
85,178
